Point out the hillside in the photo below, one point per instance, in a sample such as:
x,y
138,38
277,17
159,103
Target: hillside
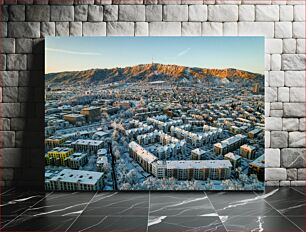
x,y
150,73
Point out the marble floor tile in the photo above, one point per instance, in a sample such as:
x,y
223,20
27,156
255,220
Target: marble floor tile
x,y
118,203
39,223
185,224
180,204
258,223
301,190
110,224
241,203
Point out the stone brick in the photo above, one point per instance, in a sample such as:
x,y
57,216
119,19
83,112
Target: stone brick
x,y
267,139
38,13
289,46
103,2
292,174
94,28
5,124
81,12
276,78
60,2
128,2
47,29
8,139
141,29
212,29
165,29
4,15
267,13
150,2
273,46
286,13
120,29
24,29
131,13
283,94
301,174
7,45
18,123
271,183
75,29
16,62
246,13
175,13
276,106
297,183
17,13
276,113
95,13
10,109
62,13
197,13
222,13
293,157
267,109
272,123
256,28
191,29
299,13
276,62
23,45
295,78
298,30
300,47
275,174
283,30
154,13
110,12
302,125
270,94
62,28
294,110
9,78
297,94
2,62
193,2
279,139
296,139
267,62
9,94
230,29
272,158
84,2
290,124
293,61
229,2
174,2
284,183
12,157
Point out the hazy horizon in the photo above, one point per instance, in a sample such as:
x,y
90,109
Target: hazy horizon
x,y
66,54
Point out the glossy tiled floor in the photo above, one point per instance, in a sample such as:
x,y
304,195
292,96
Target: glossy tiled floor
x,y
275,210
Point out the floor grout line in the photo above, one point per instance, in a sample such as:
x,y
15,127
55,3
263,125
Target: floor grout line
x,y
215,210
14,219
77,217
298,191
282,214
149,211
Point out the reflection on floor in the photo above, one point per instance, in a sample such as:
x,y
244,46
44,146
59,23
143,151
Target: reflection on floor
x,y
281,209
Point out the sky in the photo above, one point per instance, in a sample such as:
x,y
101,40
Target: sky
x,y
82,53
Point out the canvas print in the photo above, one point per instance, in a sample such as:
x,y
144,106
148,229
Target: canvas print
x,y
154,113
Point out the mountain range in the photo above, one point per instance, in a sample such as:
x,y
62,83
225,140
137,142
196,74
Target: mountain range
x,y
151,73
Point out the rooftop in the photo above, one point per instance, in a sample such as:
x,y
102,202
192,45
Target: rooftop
x,y
74,176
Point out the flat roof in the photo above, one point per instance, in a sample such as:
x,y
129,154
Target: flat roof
x,y
87,142
74,176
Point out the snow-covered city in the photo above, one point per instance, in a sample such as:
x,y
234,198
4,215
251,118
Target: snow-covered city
x,y
154,126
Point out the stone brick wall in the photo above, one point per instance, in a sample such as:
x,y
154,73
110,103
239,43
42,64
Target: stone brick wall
x,y
24,24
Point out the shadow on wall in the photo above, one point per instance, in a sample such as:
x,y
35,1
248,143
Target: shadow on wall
x,y
31,138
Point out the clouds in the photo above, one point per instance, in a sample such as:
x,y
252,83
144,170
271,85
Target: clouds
x,y
71,52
